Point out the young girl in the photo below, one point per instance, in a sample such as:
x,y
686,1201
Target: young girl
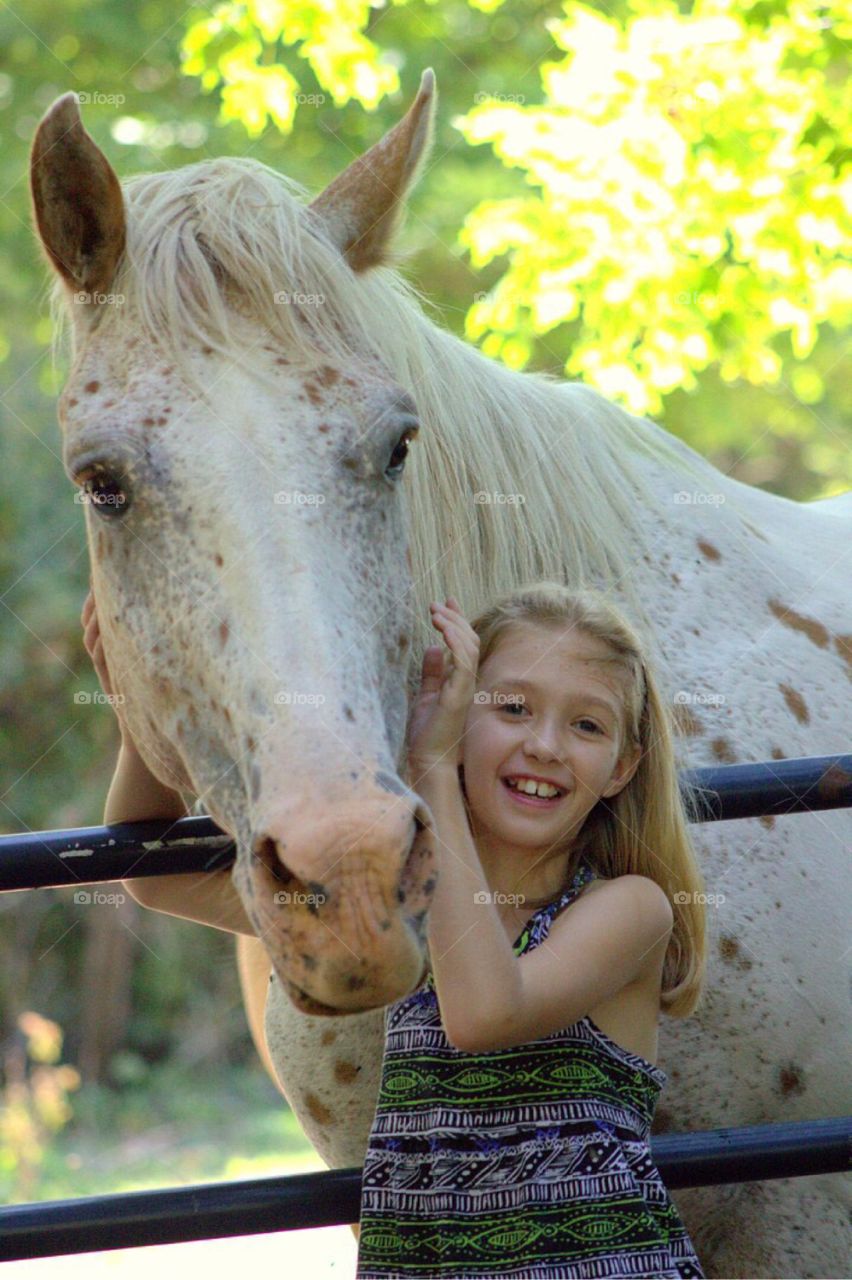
x,y
511,1136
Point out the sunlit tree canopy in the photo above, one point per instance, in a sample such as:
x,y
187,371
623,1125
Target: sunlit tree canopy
x,y
235,47
690,199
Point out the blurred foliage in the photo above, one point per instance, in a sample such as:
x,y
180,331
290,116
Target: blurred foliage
x,y
164,1131
239,47
33,1102
304,88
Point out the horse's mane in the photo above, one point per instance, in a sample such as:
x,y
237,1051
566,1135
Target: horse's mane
x,y
197,234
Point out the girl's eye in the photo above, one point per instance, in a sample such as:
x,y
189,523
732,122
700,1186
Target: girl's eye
x,y
595,727
509,707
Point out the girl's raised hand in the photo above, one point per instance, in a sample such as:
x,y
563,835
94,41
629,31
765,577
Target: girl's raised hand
x,y
437,720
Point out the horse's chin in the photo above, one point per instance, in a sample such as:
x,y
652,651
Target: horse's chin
x,y
306,1004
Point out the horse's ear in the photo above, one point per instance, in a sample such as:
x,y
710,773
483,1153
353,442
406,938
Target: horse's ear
x,y
363,205
77,201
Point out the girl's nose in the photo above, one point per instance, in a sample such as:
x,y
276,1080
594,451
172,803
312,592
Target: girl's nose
x,y
542,751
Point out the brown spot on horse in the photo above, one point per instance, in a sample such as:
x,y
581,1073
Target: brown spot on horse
x,y
796,703
729,950
707,549
815,631
318,1110
345,1072
723,751
92,386
790,1080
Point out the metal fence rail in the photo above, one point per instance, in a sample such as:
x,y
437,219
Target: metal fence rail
x,y
213,1210
128,850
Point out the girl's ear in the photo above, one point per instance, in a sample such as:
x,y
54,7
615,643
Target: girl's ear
x,y
623,772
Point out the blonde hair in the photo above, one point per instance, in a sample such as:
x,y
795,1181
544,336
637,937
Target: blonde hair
x,y
643,830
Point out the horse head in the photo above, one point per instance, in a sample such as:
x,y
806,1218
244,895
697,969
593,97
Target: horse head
x,y
239,447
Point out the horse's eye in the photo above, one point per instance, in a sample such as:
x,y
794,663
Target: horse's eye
x,y
396,466
105,493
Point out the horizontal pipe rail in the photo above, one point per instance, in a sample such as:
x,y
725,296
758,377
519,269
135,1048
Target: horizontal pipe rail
x,y
128,850
214,1210
771,788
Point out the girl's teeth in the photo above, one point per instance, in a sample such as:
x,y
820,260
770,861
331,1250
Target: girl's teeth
x,y
530,788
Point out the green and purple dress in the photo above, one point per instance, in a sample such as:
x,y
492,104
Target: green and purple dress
x,y
529,1163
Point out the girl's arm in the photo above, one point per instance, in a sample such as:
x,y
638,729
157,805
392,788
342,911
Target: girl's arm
x,y
492,999
208,897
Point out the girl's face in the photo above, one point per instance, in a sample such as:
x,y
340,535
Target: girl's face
x,y
546,706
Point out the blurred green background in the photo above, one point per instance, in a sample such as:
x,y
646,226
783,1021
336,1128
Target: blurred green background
x,y
655,197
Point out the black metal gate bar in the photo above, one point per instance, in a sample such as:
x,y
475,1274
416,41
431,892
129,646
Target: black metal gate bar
x,y
213,1210
770,788
123,851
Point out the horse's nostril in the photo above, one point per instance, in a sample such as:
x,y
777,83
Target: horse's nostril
x,y
309,894
266,851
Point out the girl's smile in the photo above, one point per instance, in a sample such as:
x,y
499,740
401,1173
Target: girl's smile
x,y
531,800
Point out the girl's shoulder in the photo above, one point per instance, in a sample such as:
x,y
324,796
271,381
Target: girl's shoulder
x,y
644,889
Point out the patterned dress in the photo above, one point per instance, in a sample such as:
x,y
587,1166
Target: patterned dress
x,y
530,1163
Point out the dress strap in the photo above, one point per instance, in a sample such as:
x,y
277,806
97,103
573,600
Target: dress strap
x,y
585,872
538,926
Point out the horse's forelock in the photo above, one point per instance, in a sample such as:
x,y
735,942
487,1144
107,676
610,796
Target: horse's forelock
x,y
219,235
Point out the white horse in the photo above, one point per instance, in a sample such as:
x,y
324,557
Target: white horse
x,y
248,376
